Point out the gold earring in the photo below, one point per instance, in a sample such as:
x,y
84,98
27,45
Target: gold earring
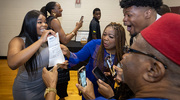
x,y
54,14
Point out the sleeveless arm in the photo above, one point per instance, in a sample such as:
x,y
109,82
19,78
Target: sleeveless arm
x,y
56,26
17,55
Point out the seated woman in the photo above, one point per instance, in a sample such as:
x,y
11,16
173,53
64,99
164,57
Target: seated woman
x,y
111,45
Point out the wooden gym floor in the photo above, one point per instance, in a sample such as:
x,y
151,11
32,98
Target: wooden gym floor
x,y
7,79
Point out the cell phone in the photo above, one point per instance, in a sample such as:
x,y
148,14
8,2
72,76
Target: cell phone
x,y
99,75
58,66
81,19
82,77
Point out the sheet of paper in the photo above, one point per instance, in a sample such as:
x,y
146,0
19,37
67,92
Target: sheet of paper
x,y
82,35
55,52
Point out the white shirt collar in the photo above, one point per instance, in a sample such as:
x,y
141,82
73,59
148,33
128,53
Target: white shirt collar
x,y
158,16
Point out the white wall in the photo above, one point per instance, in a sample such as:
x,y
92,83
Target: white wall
x,y
172,2
13,12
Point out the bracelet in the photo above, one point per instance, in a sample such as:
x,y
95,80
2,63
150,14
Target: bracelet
x,y
73,33
49,90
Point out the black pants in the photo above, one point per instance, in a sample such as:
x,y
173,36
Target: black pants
x,y
62,89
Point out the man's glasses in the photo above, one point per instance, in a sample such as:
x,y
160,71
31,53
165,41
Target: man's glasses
x,y
127,50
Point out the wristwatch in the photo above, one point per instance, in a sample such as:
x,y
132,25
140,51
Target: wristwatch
x,y
49,90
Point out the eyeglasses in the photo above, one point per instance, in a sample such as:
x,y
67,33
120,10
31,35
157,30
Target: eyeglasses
x,y
127,50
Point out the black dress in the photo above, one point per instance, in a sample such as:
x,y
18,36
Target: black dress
x,y
63,74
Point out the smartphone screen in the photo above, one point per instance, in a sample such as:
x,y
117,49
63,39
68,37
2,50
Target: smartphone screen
x,y
99,75
82,76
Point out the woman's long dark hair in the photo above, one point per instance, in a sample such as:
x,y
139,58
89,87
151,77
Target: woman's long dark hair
x,y
122,92
120,43
29,31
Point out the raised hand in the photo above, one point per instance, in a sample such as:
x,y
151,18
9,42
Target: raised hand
x,y
50,78
79,24
88,91
46,33
119,75
65,50
63,65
